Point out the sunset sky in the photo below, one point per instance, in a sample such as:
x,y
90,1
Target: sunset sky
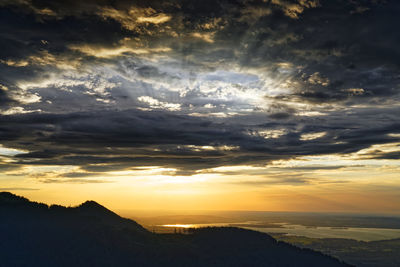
x,y
275,105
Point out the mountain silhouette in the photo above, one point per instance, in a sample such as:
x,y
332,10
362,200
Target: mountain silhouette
x,y
35,234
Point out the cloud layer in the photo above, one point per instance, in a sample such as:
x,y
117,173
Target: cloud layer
x,y
195,85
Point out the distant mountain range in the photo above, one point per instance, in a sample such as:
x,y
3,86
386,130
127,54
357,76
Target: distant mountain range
x,y
35,234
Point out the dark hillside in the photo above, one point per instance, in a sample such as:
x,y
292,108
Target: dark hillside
x,y
34,234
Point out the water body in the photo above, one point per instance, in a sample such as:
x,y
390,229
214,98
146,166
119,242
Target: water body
x,y
356,233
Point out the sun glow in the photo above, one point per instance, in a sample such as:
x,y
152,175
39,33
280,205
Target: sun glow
x,y
179,225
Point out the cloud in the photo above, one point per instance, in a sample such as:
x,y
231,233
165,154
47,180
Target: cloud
x,y
74,181
154,103
132,18
312,136
293,9
17,189
206,37
108,86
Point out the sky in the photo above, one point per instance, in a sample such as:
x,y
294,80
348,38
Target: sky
x,y
275,105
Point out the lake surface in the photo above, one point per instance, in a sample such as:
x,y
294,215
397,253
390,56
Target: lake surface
x,y
361,234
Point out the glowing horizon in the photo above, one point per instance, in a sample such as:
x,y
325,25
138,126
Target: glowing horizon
x,y
282,105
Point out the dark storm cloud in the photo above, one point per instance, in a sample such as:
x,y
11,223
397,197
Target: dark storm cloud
x,y
4,99
111,85
4,167
134,138
387,155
